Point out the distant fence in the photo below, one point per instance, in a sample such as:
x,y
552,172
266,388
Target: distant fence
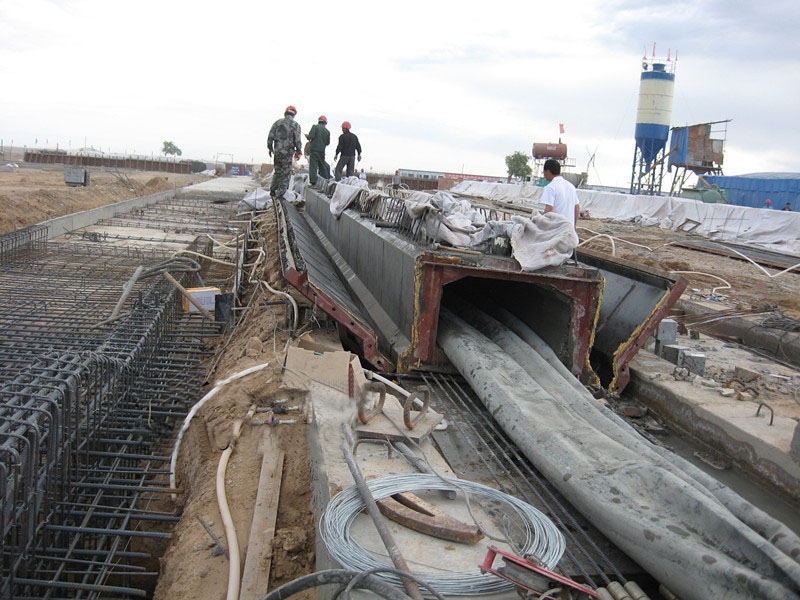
x,y
142,164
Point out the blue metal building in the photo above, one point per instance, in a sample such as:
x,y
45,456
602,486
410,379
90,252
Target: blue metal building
x,y
755,188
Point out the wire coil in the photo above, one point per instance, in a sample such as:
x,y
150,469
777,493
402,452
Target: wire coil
x,y
541,537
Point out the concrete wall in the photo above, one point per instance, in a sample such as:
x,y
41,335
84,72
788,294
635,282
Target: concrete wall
x,y
60,225
383,262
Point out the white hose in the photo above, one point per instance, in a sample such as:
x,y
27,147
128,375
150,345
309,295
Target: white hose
x,y
203,256
193,412
294,304
372,375
235,565
727,285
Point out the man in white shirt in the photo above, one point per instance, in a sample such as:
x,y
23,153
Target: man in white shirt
x,y
559,195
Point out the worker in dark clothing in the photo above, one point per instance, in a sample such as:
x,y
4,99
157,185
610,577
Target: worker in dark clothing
x,y
347,148
319,137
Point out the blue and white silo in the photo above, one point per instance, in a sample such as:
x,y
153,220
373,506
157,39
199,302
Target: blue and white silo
x,y
656,88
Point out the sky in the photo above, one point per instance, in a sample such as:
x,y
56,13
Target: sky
x,y
437,86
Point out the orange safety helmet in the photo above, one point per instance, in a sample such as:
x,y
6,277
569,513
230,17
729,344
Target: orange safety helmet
x,y
290,110
346,125
323,118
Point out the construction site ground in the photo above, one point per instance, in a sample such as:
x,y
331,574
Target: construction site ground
x,y
192,566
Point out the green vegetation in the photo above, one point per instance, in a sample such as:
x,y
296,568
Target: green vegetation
x,y
170,148
517,165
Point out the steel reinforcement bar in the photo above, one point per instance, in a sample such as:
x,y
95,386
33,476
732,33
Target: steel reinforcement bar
x,y
87,409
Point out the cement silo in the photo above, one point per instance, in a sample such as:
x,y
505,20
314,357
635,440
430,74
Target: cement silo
x,y
656,88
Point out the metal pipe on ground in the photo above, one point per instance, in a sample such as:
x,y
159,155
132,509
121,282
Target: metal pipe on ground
x,y
377,518
420,465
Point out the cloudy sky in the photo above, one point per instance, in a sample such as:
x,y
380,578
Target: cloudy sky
x,y
444,86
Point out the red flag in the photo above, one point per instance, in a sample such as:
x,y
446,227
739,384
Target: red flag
x,y
561,128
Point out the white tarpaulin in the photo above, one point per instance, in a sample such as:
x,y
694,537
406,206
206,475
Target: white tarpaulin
x,y
258,199
346,192
543,241
774,229
526,193
536,242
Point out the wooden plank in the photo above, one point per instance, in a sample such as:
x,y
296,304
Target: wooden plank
x,y
262,530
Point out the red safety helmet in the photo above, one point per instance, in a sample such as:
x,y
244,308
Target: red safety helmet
x,y
290,110
346,125
323,118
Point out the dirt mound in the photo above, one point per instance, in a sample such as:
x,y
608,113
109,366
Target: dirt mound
x,y
158,184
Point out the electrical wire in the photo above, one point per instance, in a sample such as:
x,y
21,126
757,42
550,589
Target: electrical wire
x,y
541,537
727,285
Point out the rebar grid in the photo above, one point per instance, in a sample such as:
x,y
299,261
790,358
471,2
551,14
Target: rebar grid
x,y
390,211
22,240
87,409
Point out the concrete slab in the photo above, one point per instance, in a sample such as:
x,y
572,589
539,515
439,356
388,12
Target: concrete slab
x,y
328,409
759,444
224,188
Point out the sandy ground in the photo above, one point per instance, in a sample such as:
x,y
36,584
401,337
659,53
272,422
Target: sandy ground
x,y
192,566
31,195
749,285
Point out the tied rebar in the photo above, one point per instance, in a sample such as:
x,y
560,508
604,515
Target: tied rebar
x,y
88,408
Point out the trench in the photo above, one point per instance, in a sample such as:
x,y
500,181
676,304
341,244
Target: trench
x,y
748,488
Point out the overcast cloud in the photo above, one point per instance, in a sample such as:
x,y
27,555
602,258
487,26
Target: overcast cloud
x,y
439,86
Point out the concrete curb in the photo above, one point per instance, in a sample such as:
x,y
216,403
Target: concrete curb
x,y
730,426
781,344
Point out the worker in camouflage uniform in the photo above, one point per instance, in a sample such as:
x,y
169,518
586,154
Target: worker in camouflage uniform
x,y
284,140
319,137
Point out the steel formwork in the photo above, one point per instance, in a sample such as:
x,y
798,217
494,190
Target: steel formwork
x,y
88,404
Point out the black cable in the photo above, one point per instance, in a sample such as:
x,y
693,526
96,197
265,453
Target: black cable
x,y
340,576
354,584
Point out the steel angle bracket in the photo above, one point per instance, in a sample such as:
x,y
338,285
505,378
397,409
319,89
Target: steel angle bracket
x,y
529,576
413,512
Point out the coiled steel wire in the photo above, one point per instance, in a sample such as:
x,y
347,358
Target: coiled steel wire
x,y
541,537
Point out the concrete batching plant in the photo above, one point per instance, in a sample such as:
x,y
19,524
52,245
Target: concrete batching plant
x,y
656,89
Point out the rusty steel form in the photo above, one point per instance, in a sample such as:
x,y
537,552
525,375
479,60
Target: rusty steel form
x,y
88,407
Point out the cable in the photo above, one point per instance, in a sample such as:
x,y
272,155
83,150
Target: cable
x,y
541,538
234,566
331,576
727,285
353,584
